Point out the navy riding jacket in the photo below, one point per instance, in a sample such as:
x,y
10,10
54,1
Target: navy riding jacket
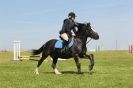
x,y
68,25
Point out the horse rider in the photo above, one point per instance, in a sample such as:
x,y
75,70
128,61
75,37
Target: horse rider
x,y
68,29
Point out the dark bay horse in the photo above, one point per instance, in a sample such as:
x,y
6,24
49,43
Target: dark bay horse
x,y
78,50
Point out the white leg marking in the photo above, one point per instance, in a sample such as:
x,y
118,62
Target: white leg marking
x,y
36,71
57,72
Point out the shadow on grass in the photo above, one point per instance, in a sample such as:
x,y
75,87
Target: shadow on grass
x,y
71,72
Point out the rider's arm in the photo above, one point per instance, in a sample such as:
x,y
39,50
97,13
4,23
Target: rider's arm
x,y
67,27
74,30
75,26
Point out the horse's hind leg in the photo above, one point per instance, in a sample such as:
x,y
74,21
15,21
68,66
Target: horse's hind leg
x,y
44,56
54,66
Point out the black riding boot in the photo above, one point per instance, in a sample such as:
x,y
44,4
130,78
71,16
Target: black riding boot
x,y
65,48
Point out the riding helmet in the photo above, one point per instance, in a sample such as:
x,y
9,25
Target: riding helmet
x,y
72,14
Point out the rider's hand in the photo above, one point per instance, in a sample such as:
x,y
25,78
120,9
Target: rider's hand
x,y
73,34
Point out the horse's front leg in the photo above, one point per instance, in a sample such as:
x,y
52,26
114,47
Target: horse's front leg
x,y
76,58
91,58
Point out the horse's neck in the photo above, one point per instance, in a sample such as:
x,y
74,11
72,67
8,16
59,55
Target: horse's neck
x,y
81,36
83,39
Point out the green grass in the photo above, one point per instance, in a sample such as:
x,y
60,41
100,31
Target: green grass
x,y
113,69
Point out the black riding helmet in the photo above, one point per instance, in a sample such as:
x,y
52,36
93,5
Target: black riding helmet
x,y
72,14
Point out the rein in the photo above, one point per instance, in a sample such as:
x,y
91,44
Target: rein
x,y
88,41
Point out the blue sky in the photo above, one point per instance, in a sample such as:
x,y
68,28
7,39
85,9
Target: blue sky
x,y
34,22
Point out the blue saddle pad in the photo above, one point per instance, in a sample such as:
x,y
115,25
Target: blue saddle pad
x,y
59,43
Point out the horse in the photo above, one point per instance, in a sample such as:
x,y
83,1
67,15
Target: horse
x,y
77,50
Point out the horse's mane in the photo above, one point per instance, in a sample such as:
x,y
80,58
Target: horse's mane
x,y
80,31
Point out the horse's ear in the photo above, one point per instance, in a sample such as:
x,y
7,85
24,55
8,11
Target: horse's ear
x,y
88,24
78,24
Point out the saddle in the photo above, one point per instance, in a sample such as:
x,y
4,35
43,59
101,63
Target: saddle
x,y
59,43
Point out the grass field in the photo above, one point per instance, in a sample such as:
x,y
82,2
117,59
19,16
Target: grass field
x,y
113,69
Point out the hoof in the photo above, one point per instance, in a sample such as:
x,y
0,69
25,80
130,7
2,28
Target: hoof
x,y
79,72
90,67
36,72
58,73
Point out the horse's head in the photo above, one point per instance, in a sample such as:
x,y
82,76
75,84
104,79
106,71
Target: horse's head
x,y
86,30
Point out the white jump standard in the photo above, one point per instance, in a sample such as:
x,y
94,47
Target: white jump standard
x,y
16,50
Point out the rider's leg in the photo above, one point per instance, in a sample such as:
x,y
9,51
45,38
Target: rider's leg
x,y
64,36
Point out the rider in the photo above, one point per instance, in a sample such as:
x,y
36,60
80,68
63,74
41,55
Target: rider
x,y
68,29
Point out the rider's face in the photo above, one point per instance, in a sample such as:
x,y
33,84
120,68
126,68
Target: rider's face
x,y
73,18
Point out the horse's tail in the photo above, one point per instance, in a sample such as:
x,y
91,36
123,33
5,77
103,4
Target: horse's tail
x,y
36,52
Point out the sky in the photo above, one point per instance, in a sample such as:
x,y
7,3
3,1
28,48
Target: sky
x,y
34,22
